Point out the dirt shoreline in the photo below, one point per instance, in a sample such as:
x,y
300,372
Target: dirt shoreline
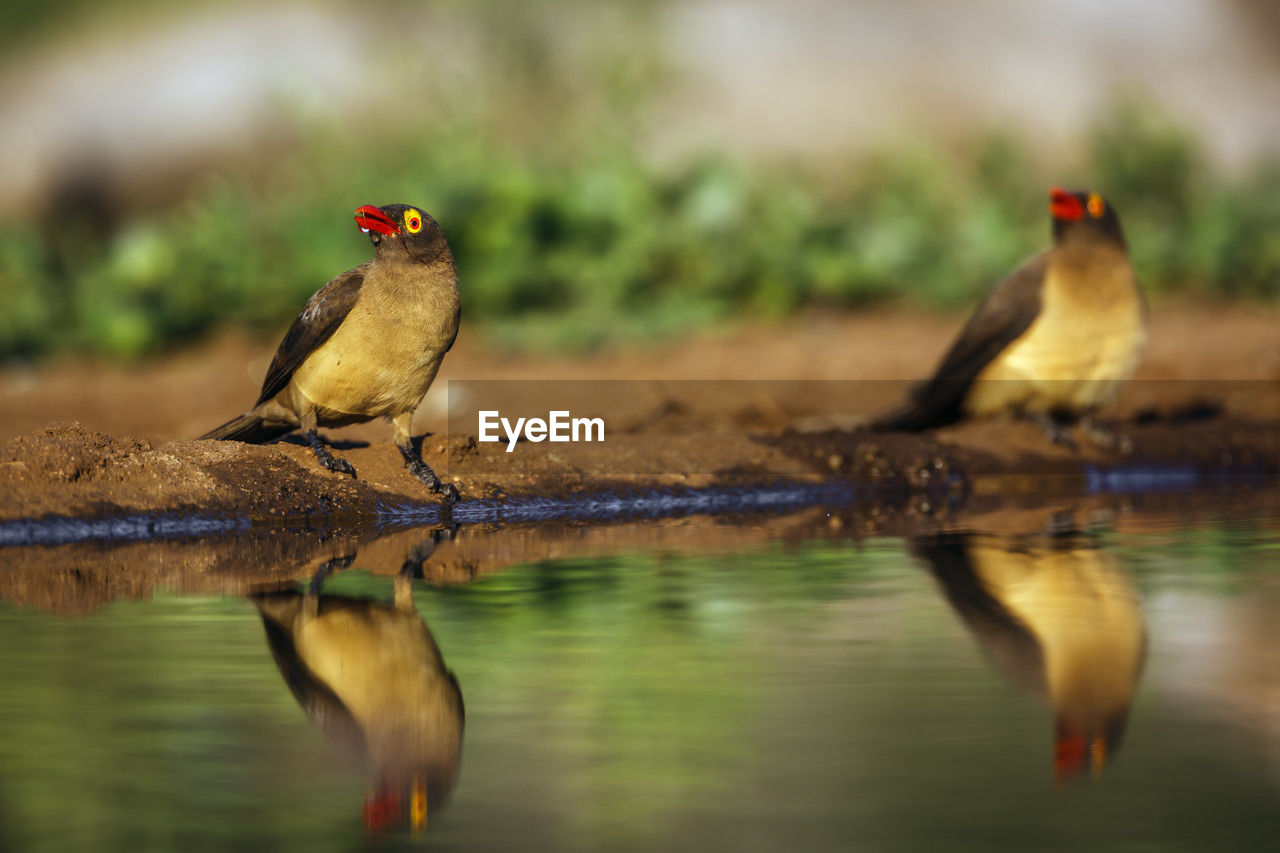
x,y
118,456
81,577
73,471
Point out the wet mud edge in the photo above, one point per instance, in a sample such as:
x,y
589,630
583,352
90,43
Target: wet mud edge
x,y
68,482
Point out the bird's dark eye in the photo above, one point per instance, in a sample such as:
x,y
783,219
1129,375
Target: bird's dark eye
x,y
413,221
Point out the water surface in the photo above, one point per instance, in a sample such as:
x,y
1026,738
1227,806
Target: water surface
x,y
1116,687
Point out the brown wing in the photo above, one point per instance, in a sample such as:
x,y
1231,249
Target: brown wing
x,y
1005,639
320,318
998,322
317,699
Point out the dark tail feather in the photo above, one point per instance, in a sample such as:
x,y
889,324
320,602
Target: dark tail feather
x,y
933,404
249,427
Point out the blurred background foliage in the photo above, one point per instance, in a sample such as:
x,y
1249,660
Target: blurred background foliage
x,y
569,232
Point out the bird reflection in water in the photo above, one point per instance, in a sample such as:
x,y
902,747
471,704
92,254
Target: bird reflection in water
x,y
370,676
1060,618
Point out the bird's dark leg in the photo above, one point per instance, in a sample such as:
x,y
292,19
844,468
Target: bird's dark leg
x,y
327,459
413,461
1060,525
1058,432
327,568
413,566
1104,438
418,556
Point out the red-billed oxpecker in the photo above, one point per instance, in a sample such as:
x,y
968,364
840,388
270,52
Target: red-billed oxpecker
x,y
368,344
1053,342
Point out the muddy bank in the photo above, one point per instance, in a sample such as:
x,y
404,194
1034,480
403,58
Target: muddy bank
x,y
84,576
69,470
92,442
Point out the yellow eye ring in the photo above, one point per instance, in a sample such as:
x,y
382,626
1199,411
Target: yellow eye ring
x,y
1096,206
413,221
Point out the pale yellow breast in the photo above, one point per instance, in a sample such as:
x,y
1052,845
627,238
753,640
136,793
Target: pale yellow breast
x,y
370,367
383,357
1083,610
1083,344
387,671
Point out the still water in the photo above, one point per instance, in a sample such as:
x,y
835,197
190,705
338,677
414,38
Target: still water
x,y
1116,688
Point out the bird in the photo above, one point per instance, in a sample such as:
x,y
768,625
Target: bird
x,y
370,675
368,344
1053,342
1060,618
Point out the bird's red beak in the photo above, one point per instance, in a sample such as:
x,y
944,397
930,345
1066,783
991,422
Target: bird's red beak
x,y
1074,753
369,218
381,809
1069,757
1063,205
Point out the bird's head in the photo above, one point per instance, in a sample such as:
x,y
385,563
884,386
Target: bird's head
x,y
1077,748
1083,214
402,229
392,802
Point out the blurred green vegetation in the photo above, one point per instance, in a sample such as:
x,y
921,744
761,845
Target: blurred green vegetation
x,y
581,239
22,22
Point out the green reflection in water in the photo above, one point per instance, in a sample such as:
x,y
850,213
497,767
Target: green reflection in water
x,y
811,695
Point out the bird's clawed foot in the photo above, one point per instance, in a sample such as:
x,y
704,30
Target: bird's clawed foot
x,y
339,466
420,470
1058,432
1106,439
423,472
327,568
326,457
1100,437
418,556
413,567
